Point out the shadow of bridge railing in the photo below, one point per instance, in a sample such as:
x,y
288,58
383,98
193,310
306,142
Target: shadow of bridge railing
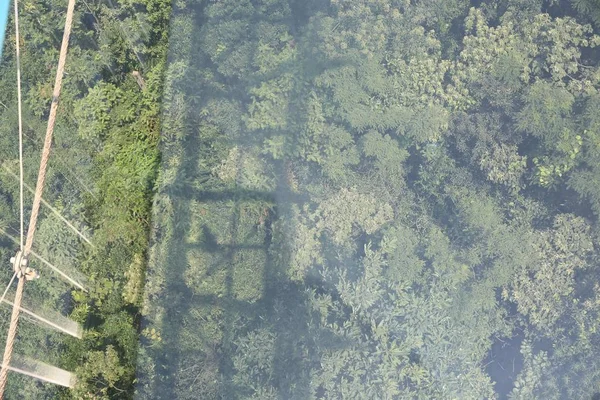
x,y
214,272
229,288
239,194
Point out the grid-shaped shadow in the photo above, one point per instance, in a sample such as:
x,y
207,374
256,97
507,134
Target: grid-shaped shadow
x,y
219,275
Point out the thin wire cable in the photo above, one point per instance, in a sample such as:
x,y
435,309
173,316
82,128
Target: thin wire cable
x,y
20,113
19,294
59,161
8,287
14,321
49,206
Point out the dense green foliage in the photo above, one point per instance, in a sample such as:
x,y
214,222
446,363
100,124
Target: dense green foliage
x,y
102,171
365,199
376,199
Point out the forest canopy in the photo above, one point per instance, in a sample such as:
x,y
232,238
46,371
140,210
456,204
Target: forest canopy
x,y
101,175
317,199
376,199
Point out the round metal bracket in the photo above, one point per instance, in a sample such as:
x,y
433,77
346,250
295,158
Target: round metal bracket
x,y
19,262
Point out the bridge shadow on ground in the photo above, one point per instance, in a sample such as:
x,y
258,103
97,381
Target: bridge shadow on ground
x,y
222,281
216,273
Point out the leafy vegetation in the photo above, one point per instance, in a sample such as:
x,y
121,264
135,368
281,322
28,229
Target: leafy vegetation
x,y
102,172
366,199
375,199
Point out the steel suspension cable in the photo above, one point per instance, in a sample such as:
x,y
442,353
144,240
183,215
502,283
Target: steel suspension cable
x,y
12,330
10,337
39,188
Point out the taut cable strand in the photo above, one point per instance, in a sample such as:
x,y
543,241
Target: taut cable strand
x,y
14,321
10,337
49,206
39,188
8,287
19,108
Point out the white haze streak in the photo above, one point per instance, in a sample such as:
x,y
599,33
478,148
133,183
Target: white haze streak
x,y
42,371
57,321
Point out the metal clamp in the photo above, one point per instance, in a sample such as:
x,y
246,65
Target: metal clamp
x,y
19,262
